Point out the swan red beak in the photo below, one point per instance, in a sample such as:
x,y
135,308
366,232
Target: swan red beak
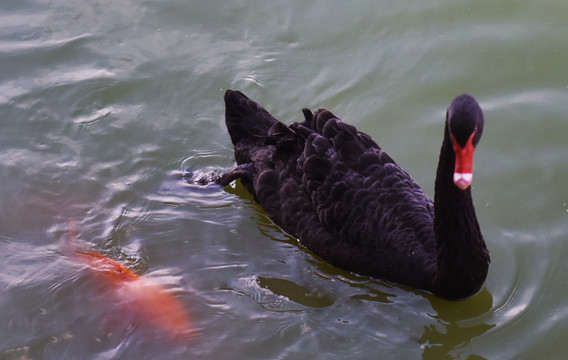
x,y
463,170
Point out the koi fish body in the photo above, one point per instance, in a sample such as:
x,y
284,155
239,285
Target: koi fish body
x,y
155,304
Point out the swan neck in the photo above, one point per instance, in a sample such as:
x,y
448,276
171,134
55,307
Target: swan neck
x,y
463,258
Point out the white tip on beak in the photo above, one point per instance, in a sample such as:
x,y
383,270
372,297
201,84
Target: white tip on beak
x,y
463,180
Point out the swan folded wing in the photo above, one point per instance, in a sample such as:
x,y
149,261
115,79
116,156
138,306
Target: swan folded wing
x,y
359,192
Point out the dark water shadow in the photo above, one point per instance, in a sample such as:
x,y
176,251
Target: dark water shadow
x,y
295,292
458,323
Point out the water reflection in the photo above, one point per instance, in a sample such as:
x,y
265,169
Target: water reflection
x,y
296,293
458,323
367,288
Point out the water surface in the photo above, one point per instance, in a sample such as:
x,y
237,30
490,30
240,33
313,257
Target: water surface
x,y
107,106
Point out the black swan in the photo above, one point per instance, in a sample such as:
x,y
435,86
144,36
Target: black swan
x,y
346,200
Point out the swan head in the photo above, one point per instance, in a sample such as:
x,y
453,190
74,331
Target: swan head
x,y
465,123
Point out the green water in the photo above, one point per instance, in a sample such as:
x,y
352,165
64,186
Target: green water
x,y
106,105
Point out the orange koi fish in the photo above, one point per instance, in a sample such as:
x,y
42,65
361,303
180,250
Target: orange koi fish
x,y
156,305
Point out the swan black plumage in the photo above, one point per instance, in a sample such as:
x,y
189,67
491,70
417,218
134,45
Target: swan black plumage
x,y
345,199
